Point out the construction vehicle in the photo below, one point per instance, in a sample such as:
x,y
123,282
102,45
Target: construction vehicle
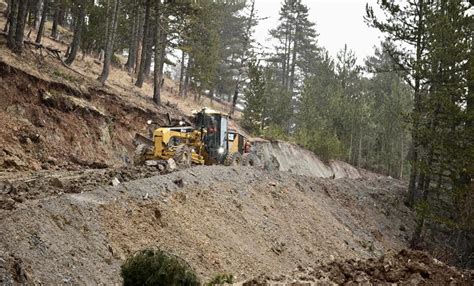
x,y
207,141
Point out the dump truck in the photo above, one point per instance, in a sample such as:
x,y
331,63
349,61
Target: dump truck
x,y
208,140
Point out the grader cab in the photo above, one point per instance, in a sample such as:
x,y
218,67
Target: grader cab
x,y
208,141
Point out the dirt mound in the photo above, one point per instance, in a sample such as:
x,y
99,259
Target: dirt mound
x,y
405,267
283,156
220,219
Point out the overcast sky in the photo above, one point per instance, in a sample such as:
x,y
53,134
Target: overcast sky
x,y
338,22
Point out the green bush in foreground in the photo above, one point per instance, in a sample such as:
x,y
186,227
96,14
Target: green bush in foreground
x,y
221,279
156,267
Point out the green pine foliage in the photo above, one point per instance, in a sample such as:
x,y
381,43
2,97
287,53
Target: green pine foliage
x,y
221,279
431,44
254,114
156,267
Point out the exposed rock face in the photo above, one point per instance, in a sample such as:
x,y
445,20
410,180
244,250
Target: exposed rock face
x,y
283,156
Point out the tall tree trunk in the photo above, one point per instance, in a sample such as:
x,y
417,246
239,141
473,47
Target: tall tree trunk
x,y
7,15
235,97
138,42
62,13
157,56
350,147
38,13
412,188
13,16
187,76
54,28
242,57
132,51
107,25
141,69
211,95
285,52
400,176
149,51
293,62
109,49
148,60
43,21
359,156
181,73
164,45
76,40
287,58
20,25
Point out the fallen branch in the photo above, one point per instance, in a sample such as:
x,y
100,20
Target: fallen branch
x,y
55,52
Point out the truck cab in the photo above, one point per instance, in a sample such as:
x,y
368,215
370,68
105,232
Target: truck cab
x,y
220,141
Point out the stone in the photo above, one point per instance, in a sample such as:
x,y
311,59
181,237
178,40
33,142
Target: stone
x,y
151,163
55,182
46,97
7,204
14,161
171,164
179,182
115,182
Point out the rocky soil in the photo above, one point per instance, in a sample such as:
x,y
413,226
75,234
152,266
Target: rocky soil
x,y
52,125
220,219
405,267
17,187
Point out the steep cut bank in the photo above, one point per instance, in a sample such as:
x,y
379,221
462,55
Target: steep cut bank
x,y
49,124
242,221
283,156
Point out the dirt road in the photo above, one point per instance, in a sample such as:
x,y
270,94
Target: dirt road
x,y
17,187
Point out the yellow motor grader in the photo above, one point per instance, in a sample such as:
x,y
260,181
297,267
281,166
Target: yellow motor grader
x,y
207,141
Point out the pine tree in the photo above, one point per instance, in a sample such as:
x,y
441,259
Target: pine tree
x,y
297,42
246,25
446,136
146,44
204,41
109,45
42,23
254,114
76,40
404,26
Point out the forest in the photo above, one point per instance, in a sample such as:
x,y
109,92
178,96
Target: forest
x,y
406,112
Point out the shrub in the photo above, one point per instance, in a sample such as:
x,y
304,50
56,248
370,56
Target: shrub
x,y
221,279
156,267
324,144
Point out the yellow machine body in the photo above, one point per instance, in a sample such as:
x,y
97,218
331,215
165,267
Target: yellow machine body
x,y
210,141
166,139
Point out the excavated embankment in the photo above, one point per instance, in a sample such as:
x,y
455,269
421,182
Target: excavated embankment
x,y
283,156
242,221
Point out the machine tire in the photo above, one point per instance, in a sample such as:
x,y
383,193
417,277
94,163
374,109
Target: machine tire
x,y
182,156
139,154
250,159
233,159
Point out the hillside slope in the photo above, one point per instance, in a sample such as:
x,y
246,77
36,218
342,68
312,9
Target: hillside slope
x,y
51,123
220,219
65,137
